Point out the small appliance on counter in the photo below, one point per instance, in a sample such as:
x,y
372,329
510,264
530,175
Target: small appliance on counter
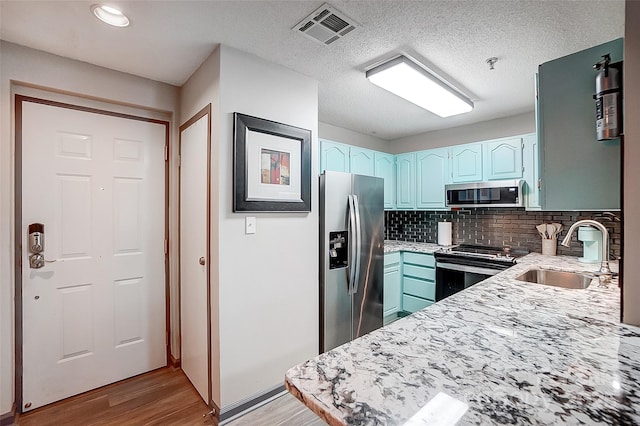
x,y
591,243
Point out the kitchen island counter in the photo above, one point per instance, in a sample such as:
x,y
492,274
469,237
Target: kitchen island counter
x,y
502,351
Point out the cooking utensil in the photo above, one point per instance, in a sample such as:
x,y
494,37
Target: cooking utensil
x,y
558,228
542,230
551,231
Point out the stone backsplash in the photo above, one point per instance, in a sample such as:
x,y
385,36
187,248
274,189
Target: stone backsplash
x,y
496,227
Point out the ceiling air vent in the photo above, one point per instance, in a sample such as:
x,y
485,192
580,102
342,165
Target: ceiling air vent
x,y
326,25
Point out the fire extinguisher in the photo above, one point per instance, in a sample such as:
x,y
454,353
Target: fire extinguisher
x,y
608,99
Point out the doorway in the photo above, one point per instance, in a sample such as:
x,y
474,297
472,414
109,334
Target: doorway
x,y
195,257
91,296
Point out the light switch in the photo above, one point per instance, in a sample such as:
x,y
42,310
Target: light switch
x,y
250,225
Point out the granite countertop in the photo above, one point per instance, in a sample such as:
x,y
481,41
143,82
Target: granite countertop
x,y
502,351
391,246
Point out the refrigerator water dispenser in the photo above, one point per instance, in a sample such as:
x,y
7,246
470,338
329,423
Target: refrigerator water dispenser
x,y
338,254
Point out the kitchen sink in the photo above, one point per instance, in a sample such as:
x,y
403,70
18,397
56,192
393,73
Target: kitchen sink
x,y
556,278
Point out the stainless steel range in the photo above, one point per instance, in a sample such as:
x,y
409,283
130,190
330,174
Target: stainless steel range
x,y
460,267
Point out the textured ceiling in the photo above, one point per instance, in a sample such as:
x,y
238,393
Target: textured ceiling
x,y
168,40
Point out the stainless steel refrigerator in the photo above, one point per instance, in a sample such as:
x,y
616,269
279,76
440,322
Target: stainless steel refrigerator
x,y
351,256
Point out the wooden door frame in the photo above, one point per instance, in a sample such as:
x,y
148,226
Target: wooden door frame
x,y
18,334
206,111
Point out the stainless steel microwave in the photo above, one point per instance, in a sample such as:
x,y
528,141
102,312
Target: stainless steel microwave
x,y
497,193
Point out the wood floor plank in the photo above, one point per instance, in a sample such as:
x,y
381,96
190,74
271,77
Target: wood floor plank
x,y
161,397
283,411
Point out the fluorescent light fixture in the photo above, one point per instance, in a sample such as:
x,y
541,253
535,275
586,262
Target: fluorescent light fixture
x,y
403,77
110,15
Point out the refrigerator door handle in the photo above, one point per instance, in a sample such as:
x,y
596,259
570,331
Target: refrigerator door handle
x,y
356,280
352,268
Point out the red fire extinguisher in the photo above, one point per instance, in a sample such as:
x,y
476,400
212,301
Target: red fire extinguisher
x,y
608,99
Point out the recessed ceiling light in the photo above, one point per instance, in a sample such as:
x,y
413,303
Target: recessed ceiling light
x,y
110,15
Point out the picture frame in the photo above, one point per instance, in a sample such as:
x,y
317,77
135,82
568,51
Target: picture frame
x,y
271,166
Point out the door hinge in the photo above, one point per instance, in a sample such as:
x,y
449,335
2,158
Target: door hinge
x,y
166,153
539,184
179,160
166,246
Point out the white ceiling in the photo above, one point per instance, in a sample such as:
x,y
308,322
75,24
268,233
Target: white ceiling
x,y
168,40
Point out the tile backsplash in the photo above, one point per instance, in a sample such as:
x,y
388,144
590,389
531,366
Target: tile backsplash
x,y
496,227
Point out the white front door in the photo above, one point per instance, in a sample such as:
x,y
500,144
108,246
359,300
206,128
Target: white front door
x,y
97,314
194,240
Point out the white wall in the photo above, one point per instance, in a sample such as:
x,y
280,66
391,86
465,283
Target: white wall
x,y
30,67
266,308
631,157
351,137
268,281
493,129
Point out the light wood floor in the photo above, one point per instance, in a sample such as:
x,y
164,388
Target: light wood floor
x,y
161,397
284,411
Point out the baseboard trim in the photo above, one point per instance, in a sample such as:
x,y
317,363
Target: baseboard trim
x,y
9,418
241,408
175,363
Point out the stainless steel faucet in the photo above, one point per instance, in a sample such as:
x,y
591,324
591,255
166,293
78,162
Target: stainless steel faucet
x,y
604,266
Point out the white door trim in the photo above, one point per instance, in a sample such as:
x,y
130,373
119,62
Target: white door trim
x,y
206,111
18,277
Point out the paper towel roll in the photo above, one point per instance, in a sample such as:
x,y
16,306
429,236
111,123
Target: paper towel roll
x,y
444,233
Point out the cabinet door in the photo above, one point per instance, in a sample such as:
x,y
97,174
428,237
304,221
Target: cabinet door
x,y
577,171
392,295
503,159
361,161
406,181
334,156
531,172
432,174
466,163
385,167
413,304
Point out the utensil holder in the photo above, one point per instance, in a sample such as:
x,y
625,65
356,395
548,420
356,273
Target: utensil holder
x,y
549,246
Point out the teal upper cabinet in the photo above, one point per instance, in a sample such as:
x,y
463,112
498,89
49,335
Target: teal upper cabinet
x,y
577,171
503,159
432,171
334,156
361,161
406,181
385,167
466,163
531,172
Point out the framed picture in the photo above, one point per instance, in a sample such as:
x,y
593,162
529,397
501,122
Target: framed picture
x,y
271,166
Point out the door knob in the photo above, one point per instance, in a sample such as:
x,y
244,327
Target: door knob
x,y
201,261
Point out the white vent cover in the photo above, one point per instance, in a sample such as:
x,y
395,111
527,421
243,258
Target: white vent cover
x,y
326,25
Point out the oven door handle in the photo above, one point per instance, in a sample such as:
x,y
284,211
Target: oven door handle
x,y
467,268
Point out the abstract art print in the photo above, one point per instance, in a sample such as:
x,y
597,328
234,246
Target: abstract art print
x,y
272,166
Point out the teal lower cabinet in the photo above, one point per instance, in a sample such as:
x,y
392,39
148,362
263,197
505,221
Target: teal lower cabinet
x,y
418,281
414,304
392,294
